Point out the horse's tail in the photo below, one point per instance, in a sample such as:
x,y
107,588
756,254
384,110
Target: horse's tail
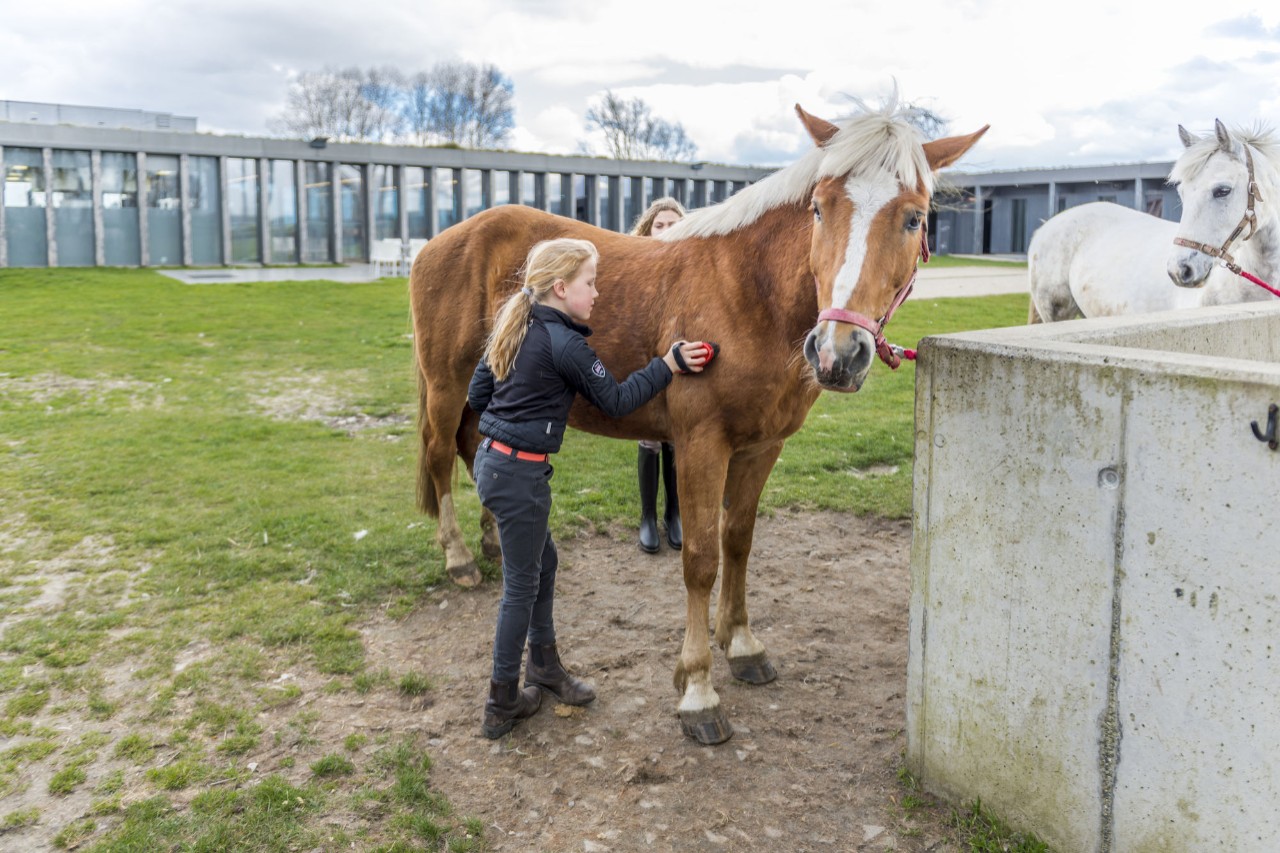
x,y
1033,316
428,501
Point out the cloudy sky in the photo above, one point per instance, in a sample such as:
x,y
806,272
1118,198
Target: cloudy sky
x,y
1071,83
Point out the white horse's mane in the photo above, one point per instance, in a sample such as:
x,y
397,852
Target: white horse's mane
x,y
880,140
1266,161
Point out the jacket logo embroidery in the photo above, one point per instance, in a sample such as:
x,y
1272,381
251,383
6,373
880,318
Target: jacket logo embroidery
x,y
598,369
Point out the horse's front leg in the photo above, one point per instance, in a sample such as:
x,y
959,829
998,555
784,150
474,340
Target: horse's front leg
x,y
702,476
748,660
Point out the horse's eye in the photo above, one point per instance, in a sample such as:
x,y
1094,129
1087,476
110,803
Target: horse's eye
x,y
817,211
1221,192
913,223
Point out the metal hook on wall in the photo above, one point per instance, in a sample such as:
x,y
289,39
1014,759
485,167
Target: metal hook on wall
x,y
1270,437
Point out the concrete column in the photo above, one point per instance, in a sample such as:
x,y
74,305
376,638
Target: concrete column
x,y
95,178
591,185
50,231
402,206
299,206
4,238
1137,195
370,208
1053,199
617,209
488,188
542,191
515,186
144,228
225,212
335,210
978,202
264,211
184,204
433,186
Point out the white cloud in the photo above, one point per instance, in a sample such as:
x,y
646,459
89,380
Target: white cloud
x,y
1090,81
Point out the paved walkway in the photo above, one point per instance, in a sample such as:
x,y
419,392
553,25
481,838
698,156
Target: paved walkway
x,y
351,273
932,281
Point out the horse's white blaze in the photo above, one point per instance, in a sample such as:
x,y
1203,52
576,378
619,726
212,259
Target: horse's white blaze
x,y
869,195
744,644
699,695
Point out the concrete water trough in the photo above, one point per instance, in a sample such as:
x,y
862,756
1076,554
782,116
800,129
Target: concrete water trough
x,y
1095,605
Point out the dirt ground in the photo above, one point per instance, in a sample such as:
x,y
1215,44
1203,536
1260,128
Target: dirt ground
x,y
814,758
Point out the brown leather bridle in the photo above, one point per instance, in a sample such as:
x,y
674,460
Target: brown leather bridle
x,y
1249,220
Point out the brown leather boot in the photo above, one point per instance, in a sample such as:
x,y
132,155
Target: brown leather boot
x,y
507,705
545,670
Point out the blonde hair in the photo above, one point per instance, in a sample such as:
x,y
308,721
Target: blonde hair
x,y
548,262
644,224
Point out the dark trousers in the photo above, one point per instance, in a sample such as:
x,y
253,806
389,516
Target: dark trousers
x,y
518,493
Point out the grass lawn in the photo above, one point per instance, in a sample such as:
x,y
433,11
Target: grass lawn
x,y
231,467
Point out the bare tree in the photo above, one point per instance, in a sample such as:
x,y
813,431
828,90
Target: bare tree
x,y
632,132
343,104
466,104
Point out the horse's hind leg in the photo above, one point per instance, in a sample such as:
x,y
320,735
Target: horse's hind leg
x,y
444,409
748,660
468,446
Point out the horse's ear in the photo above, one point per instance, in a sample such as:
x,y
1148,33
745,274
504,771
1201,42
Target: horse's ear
x,y
820,129
1188,138
941,153
1224,138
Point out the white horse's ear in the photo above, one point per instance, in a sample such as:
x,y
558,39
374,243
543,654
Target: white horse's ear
x,y
820,130
1188,139
1224,138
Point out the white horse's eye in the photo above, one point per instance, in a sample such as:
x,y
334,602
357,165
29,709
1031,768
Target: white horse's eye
x,y
1221,192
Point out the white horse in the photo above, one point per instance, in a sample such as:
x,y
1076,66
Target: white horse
x,y
1101,259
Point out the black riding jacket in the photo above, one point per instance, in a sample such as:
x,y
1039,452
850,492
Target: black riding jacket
x,y
529,409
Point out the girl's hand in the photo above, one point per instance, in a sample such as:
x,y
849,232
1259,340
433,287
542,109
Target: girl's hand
x,y
689,356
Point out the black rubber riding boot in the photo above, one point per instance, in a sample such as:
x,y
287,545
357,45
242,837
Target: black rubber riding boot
x,y
675,533
647,465
507,705
545,670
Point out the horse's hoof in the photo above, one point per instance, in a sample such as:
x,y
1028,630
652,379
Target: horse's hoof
x,y
491,550
755,669
467,576
707,727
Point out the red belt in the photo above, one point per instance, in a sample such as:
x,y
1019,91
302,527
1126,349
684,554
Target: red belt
x,y
518,454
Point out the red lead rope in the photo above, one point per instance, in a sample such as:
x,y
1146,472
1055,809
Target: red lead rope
x,y
1253,278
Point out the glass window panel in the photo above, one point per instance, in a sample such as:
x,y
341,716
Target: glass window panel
x,y
71,197
206,210
632,192
164,211
652,191
282,212
555,191
501,188
387,203
473,197
446,198
319,211
24,202
242,204
417,183
580,197
351,182
604,199
121,238
529,189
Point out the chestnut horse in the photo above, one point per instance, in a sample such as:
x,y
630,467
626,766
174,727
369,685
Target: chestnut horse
x,y
840,230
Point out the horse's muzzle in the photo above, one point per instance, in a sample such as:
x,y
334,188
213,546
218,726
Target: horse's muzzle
x,y
1189,268
840,355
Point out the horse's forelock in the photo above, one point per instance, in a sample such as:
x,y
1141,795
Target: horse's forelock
x,y
1260,138
873,142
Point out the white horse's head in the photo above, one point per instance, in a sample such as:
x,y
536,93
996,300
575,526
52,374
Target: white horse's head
x,y
1218,179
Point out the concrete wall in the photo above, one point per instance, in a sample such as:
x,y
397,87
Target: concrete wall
x,y
1095,565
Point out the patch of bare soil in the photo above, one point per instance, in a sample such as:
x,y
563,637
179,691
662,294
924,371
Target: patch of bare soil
x,y
315,397
813,761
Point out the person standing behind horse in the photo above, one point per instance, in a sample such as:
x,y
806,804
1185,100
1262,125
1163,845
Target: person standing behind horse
x,y
660,215
535,362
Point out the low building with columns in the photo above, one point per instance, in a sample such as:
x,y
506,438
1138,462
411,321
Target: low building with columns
x,y
89,186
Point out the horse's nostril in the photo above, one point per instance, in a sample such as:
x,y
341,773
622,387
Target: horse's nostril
x,y
1186,272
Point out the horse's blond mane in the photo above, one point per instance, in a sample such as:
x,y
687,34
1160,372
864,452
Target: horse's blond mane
x,y
1266,160
874,140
